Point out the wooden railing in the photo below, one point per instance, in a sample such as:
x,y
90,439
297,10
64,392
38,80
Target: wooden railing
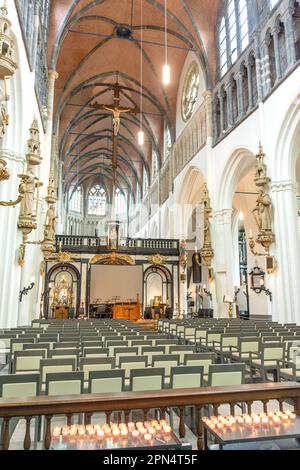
x,y
68,405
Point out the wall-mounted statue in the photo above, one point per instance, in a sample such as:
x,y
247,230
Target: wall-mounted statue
x,y
263,212
50,224
27,216
33,155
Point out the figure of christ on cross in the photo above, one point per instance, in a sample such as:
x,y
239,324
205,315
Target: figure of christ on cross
x,y
115,108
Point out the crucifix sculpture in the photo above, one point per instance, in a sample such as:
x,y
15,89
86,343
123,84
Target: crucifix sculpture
x,y
116,111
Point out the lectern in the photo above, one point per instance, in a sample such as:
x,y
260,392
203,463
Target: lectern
x,y
61,312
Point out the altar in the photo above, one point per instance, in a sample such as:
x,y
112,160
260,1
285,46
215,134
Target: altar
x,y
127,311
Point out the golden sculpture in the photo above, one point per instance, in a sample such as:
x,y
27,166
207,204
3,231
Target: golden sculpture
x,y
206,252
157,259
4,172
113,258
62,294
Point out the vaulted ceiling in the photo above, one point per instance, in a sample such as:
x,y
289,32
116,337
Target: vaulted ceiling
x,y
87,53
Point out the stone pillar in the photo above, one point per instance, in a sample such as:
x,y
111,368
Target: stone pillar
x,y
239,81
221,113
10,239
209,114
223,262
284,281
250,91
289,37
229,103
275,33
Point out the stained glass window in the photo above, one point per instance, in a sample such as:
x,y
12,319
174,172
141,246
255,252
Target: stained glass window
x,y
97,200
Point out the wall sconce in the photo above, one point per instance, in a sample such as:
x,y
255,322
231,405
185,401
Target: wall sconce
x,y
25,290
257,276
209,294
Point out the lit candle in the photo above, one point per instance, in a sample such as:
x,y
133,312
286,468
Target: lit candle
x,y
135,434
162,422
56,431
143,431
256,420
124,432
220,426
65,431
288,412
147,437
240,420
158,428
131,426
107,432
151,431
248,420
284,417
116,432
265,420
139,424
293,416
100,433
167,429
228,423
276,420
73,431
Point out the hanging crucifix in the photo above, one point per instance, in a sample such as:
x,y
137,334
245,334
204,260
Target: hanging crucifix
x,y
116,111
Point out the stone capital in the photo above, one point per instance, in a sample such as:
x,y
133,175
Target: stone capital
x,y
284,185
53,74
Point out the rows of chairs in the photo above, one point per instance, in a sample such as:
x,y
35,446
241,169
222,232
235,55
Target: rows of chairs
x,y
263,346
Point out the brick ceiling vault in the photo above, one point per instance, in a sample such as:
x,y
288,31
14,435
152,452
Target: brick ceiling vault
x,y
86,52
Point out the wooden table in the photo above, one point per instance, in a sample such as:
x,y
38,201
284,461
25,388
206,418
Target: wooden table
x,y
127,311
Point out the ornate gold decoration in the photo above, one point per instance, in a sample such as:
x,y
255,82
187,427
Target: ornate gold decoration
x,y
64,257
206,252
263,211
8,65
157,259
33,155
190,91
112,258
4,172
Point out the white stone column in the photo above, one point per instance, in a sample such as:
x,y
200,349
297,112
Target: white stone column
x,y
10,239
223,262
284,283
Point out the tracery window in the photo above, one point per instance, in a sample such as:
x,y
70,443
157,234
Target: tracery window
x,y
190,91
120,202
75,204
97,200
233,34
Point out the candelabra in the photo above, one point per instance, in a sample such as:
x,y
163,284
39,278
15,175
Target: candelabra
x,y
25,291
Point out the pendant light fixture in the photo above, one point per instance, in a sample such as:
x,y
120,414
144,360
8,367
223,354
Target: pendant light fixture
x,y
166,72
141,137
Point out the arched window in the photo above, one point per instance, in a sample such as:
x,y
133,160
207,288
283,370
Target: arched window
x,y
97,200
167,142
145,183
233,34
154,164
243,24
223,48
76,200
232,27
120,203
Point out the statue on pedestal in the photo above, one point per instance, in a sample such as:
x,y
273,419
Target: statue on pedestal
x,y
50,224
263,212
